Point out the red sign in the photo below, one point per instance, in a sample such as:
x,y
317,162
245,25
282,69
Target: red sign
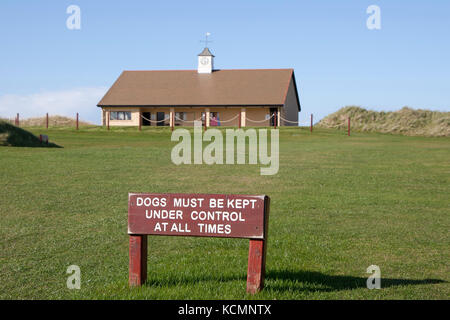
x,y
201,215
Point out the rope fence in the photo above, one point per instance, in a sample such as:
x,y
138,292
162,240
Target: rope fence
x,y
61,121
190,121
221,121
50,121
229,120
258,121
153,121
289,121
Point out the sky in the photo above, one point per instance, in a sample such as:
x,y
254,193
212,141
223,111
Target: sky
x,y
337,59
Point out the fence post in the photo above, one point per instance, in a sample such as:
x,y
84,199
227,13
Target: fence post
x,y
311,126
240,118
107,119
18,121
348,127
140,121
275,120
46,121
77,120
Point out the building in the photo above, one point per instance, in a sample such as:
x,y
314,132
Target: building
x,y
259,97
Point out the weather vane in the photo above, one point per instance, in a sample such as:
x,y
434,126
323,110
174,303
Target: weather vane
x,y
206,39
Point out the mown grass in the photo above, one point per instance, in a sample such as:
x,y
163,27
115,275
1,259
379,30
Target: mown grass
x,y
338,205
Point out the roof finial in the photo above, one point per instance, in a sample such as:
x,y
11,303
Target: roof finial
x,y
206,39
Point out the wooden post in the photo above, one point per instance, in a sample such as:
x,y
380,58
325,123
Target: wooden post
x,y
77,120
311,126
138,260
256,266
257,256
46,121
240,119
172,121
207,118
140,121
107,119
278,117
18,121
275,120
348,127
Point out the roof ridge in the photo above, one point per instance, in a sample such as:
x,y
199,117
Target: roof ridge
x,y
178,70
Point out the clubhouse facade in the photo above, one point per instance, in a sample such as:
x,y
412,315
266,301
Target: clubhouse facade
x,y
246,97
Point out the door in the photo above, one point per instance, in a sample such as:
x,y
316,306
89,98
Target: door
x,y
146,118
273,115
159,118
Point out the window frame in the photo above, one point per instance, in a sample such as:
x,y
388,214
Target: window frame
x,y
183,115
120,115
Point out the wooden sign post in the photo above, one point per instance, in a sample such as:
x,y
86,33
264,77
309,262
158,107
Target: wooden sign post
x,y
43,138
198,215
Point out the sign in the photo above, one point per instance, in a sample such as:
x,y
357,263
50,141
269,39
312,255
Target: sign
x,y
198,215
202,215
43,138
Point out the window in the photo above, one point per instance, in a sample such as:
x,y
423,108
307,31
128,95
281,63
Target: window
x,y
214,119
180,116
120,115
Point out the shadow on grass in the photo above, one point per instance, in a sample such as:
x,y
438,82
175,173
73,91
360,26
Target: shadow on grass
x,y
282,280
12,136
317,281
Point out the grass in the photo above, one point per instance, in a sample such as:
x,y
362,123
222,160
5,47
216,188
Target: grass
x,y
338,205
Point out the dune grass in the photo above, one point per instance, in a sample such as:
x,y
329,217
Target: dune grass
x,y
53,121
338,205
405,121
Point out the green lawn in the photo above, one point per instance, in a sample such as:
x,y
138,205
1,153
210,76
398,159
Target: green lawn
x,y
338,205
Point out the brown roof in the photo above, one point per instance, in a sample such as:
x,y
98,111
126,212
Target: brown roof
x,y
189,88
206,52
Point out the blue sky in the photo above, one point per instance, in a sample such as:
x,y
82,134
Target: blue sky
x,y
338,61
